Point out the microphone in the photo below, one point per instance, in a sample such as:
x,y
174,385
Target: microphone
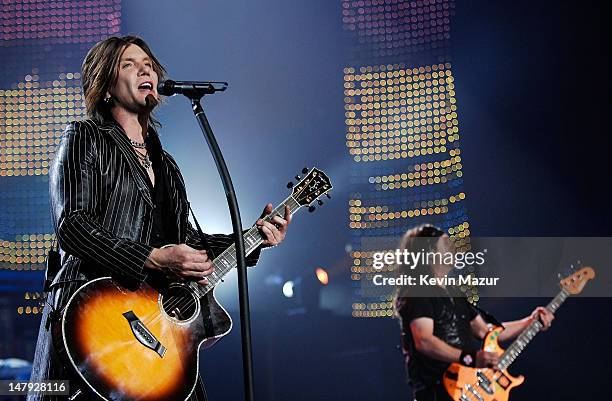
x,y
151,101
171,88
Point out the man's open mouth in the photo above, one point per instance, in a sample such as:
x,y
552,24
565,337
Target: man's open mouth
x,y
145,86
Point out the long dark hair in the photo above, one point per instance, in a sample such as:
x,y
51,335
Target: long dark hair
x,y
423,237
100,70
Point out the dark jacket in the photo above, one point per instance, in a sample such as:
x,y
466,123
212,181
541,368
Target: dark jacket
x,y
102,209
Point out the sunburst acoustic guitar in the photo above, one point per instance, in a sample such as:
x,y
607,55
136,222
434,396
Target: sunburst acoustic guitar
x,y
144,345
480,384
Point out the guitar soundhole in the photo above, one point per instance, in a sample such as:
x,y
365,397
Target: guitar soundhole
x,y
179,303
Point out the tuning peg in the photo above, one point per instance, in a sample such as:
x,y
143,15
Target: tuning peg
x,y
311,209
290,184
297,177
328,196
304,170
319,202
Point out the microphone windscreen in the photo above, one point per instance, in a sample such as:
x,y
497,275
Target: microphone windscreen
x,y
166,87
151,101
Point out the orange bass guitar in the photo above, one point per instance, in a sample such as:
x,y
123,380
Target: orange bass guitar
x,y
480,384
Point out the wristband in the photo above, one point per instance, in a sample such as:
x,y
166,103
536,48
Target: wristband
x,y
468,359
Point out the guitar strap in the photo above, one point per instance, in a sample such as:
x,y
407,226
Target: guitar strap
x,y
488,317
201,233
54,265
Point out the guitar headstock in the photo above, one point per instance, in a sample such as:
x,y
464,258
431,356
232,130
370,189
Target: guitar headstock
x,y
575,282
310,188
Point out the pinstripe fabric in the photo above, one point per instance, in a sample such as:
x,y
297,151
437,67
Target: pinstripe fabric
x,y
102,213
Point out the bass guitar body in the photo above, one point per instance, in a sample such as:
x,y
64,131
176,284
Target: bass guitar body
x,y
479,384
139,345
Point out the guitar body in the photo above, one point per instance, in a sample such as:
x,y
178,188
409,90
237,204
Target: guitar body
x,y
139,345
478,384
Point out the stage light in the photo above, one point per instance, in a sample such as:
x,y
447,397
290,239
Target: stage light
x,y
58,22
322,276
420,115
402,132
288,289
46,116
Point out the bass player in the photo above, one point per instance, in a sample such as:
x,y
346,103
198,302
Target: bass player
x,y
442,327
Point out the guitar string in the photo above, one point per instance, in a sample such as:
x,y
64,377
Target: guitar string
x,y
181,302
507,356
189,302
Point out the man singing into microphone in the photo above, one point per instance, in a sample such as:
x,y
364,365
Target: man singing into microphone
x,y
117,197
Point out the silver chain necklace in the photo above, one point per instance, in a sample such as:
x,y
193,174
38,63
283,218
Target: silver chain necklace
x,y
144,160
139,145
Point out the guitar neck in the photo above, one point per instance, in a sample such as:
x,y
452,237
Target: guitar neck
x,y
226,261
529,333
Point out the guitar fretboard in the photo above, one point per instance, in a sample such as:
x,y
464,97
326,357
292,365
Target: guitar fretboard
x,y
529,333
226,261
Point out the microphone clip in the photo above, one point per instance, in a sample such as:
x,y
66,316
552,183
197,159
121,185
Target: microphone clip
x,y
191,89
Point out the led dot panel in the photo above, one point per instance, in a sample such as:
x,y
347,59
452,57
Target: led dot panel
x,y
362,260
25,205
384,216
393,112
36,22
35,295
44,43
389,213
391,28
402,134
32,117
438,172
372,309
30,310
34,303
26,252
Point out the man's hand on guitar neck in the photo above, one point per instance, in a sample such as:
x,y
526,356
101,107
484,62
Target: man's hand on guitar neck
x,y
275,229
516,327
543,315
513,328
182,262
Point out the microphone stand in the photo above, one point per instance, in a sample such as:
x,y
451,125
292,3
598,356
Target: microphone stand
x,y
195,94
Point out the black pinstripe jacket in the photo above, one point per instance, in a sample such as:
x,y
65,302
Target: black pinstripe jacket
x,y
102,212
